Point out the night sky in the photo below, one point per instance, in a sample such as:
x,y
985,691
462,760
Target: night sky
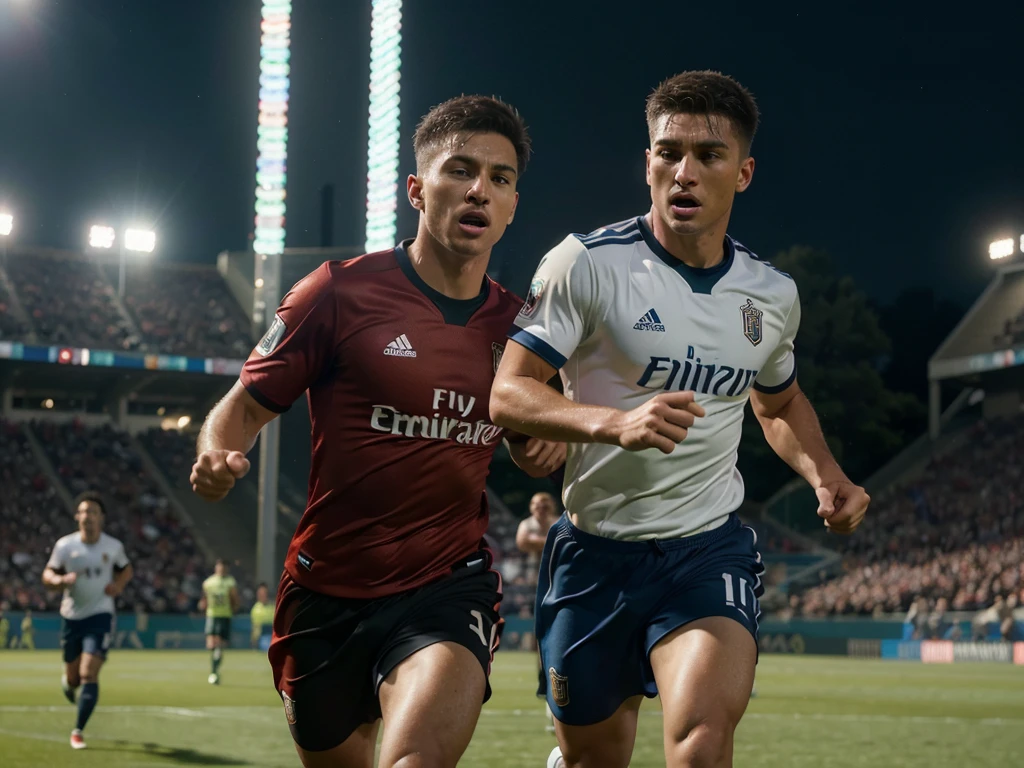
x,y
892,140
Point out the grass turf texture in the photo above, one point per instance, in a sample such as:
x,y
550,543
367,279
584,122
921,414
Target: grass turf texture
x,y
156,709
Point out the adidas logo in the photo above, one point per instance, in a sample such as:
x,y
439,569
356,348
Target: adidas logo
x,y
400,347
650,322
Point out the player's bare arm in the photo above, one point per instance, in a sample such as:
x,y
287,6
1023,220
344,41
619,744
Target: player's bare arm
x,y
121,579
792,429
236,602
521,400
529,541
537,457
58,581
228,434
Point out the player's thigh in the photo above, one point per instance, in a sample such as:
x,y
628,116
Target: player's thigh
x,y
355,752
89,666
431,703
608,744
715,654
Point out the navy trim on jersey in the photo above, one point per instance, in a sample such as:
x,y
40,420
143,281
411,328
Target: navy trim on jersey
x,y
539,347
454,311
699,280
622,233
265,401
778,387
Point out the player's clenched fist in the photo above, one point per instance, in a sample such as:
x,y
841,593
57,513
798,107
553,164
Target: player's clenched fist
x,y
215,473
661,422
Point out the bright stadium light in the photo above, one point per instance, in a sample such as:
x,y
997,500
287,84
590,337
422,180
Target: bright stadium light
x,y
6,224
141,240
1001,249
272,133
384,138
101,236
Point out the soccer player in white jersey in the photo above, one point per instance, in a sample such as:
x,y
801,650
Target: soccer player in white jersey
x,y
662,327
92,569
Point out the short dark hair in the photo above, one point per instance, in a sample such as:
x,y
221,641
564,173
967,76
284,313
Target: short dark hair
x,y
94,497
221,561
472,114
263,585
705,93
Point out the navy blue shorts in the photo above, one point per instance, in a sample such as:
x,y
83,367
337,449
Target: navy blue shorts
x,y
602,605
92,635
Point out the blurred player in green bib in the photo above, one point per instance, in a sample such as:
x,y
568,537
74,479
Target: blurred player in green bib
x,y
262,618
220,599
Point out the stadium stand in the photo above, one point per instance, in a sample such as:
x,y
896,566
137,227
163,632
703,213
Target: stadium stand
x,y
70,299
955,534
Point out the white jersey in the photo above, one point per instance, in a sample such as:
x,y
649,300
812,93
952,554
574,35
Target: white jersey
x,y
94,564
623,320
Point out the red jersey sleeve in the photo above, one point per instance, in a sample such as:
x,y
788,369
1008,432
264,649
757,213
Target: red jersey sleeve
x,y
299,345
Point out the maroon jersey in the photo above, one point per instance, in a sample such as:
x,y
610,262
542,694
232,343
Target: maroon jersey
x,y
398,378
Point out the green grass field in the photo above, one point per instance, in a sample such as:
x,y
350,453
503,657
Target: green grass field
x,y
156,709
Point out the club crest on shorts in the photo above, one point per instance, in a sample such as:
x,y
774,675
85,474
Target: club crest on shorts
x,y
497,350
533,298
559,687
752,322
289,708
272,337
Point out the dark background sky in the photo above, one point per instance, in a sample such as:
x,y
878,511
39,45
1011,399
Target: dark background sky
x,y
891,138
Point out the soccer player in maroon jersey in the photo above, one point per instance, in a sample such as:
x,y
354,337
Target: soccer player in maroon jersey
x,y
388,607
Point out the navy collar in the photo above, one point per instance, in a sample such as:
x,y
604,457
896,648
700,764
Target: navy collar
x,y
699,280
454,311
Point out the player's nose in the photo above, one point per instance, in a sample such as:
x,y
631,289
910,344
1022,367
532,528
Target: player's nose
x,y
479,193
686,171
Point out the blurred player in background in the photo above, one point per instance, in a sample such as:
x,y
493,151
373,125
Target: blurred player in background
x,y
27,637
663,327
92,569
530,538
388,605
5,629
220,599
262,618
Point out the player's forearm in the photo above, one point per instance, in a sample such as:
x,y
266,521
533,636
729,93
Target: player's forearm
x,y
53,580
532,407
794,433
229,427
122,578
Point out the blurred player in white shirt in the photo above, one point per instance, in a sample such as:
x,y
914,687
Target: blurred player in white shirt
x,y
92,569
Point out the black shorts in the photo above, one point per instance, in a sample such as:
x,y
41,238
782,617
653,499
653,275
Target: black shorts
x,y
331,654
91,635
220,626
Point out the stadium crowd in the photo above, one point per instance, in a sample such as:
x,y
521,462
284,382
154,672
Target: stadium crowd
x,y
71,300
953,537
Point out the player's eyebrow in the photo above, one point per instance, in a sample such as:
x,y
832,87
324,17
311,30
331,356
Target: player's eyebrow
x,y
502,167
704,144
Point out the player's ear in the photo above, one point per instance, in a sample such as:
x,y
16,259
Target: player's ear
x,y
647,153
512,213
414,188
745,175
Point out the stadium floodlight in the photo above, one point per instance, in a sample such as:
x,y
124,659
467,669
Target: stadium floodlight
x,y
141,240
101,237
184,421
1000,249
6,224
383,137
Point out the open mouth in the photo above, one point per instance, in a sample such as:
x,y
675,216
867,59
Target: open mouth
x,y
684,204
473,222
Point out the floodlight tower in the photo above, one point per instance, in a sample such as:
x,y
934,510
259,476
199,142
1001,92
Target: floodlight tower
x,y
268,243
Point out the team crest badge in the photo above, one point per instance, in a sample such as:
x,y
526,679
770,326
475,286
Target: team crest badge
x,y
289,708
752,322
559,687
106,557
497,350
533,298
272,337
